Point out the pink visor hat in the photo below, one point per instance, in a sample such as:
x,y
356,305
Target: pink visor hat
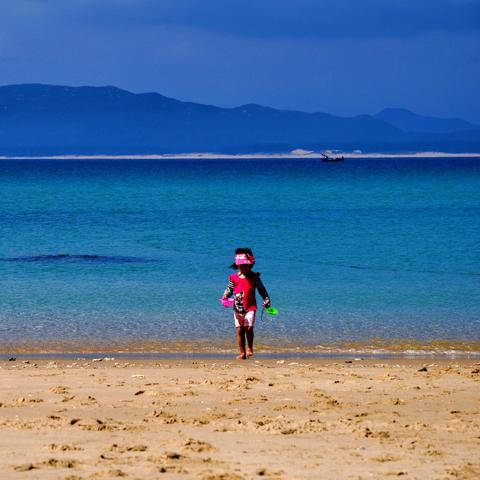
x,y
244,259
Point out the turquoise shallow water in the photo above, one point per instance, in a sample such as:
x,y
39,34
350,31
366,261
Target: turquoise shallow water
x,y
139,250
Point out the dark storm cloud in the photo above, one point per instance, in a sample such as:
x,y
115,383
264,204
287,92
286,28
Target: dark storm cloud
x,y
264,18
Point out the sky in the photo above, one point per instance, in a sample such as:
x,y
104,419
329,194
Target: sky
x,y
344,57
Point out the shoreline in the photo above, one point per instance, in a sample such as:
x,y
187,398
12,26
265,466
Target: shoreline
x,y
249,156
280,356
225,348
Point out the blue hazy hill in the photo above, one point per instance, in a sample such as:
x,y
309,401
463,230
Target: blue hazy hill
x,y
40,119
412,122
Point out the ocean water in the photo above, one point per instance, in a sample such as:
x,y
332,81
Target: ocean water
x,y
120,252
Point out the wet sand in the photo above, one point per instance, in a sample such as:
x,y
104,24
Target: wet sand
x,y
222,419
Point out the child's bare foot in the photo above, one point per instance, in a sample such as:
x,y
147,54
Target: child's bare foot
x,y
242,356
249,352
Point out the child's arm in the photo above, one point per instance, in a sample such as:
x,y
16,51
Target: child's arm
x,y
229,290
263,292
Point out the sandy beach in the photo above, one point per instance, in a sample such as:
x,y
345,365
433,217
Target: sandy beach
x,y
296,154
227,420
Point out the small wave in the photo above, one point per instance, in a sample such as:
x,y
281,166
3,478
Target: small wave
x,y
66,257
222,346
398,270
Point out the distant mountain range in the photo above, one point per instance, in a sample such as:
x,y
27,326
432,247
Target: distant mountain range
x,y
411,122
47,120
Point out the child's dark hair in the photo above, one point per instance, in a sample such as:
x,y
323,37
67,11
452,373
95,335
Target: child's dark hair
x,y
247,251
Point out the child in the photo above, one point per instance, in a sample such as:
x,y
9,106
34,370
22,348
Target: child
x,y
242,286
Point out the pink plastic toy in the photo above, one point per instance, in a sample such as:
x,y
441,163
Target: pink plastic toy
x,y
227,302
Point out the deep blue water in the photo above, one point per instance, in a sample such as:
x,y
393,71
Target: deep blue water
x,y
367,248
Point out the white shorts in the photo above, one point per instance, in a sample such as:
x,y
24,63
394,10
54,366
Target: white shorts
x,y
244,319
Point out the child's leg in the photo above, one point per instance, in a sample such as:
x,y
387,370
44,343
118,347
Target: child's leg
x,y
249,334
241,343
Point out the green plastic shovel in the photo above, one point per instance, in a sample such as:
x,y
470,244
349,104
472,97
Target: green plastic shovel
x,y
271,311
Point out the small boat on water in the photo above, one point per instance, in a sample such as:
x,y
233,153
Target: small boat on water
x,y
326,158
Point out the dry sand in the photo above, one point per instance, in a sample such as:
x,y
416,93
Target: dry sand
x,y
227,420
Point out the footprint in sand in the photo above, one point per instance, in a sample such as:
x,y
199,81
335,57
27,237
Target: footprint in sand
x,y
197,446
110,473
18,402
62,448
220,476
165,417
69,398
173,469
386,458
127,448
173,455
26,467
56,463
370,434
35,400
59,390
50,463
321,398
270,474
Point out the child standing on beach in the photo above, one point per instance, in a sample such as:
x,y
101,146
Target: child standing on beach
x,y
242,285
